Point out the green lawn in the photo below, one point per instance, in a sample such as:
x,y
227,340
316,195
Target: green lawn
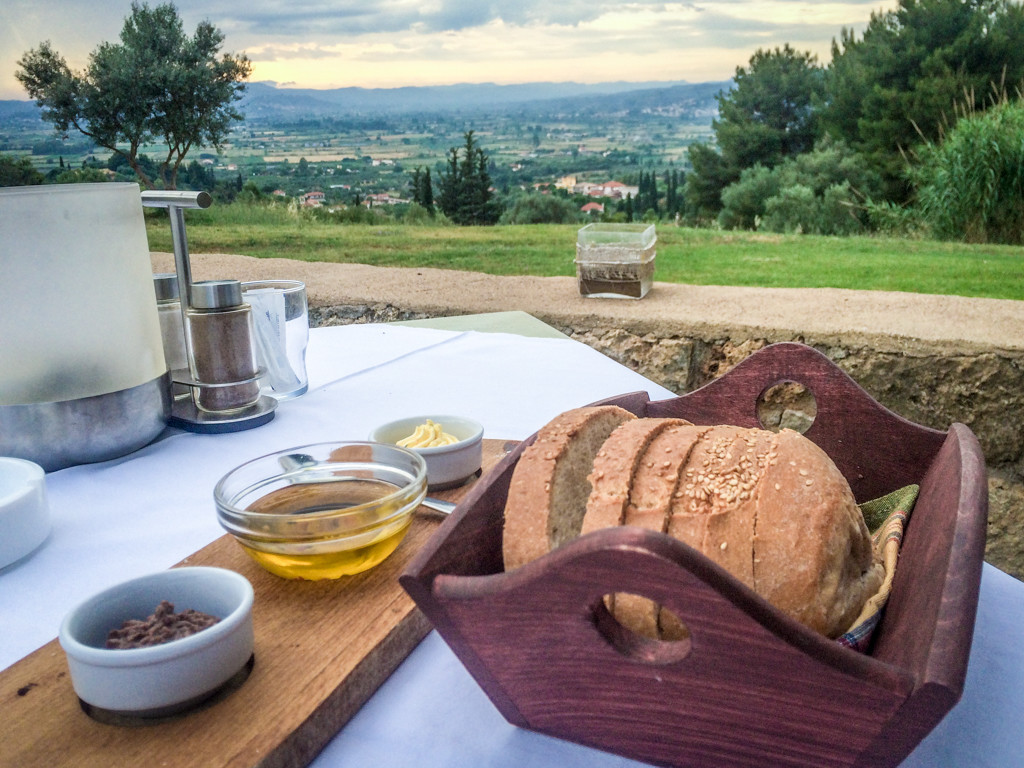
x,y
695,256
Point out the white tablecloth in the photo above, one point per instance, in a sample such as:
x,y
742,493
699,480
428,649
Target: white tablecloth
x,y
145,512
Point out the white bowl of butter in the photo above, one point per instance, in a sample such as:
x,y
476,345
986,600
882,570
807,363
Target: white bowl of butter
x,y
452,446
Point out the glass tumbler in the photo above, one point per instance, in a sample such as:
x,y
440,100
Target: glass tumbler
x,y
281,329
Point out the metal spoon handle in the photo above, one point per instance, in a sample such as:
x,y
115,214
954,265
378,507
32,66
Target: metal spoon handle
x,y
438,505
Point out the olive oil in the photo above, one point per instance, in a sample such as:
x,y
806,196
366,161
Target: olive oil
x,y
324,530
329,565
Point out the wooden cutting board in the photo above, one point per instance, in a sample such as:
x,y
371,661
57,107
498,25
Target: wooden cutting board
x,y
322,649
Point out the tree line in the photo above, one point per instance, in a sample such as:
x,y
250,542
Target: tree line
x,y
924,106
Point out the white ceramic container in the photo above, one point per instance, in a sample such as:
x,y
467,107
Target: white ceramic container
x,y
24,511
161,679
447,465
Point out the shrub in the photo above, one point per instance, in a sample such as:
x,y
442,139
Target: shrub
x,y
795,209
825,191
18,172
540,209
743,202
842,212
417,214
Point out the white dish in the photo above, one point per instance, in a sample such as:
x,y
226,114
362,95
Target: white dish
x,y
24,511
159,680
447,465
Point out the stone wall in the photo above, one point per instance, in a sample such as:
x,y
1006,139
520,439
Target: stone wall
x,y
927,384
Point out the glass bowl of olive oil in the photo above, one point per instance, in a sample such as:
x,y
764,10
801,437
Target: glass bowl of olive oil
x,y
322,511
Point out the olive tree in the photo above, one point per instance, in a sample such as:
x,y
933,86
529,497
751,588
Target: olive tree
x,y
156,85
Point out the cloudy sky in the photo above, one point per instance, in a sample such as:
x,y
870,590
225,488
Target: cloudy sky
x,y
390,43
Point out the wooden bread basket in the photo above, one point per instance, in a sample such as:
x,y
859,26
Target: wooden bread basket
x,y
750,687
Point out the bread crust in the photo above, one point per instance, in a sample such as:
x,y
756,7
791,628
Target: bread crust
x,y
615,469
549,487
713,508
813,556
611,480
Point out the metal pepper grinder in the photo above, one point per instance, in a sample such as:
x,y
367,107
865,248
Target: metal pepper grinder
x,y
222,375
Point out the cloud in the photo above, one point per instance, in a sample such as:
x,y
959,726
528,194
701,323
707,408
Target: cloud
x,y
326,43
349,18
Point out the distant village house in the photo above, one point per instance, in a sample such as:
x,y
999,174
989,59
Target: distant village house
x,y
614,190
382,198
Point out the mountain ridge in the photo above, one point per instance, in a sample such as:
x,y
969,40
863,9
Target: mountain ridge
x,y
264,100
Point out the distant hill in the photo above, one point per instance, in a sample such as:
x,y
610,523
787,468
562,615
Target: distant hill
x,y
266,101
12,110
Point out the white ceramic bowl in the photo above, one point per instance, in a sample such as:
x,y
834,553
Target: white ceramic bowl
x,y
447,465
24,512
160,680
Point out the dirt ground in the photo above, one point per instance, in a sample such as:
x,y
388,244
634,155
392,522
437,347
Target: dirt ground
x,y
888,320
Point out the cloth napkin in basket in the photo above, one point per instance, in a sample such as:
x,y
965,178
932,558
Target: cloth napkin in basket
x,y
886,518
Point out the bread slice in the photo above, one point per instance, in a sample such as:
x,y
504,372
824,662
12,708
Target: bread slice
x,y
549,489
615,466
650,506
713,505
813,557
612,477
738,460
714,508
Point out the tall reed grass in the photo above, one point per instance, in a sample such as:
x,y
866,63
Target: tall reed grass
x,y
971,184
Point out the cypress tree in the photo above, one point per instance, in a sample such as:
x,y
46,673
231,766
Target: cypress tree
x,y
465,195
427,192
448,199
416,185
670,192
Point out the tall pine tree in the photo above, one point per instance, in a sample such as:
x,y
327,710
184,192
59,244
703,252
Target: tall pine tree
x,y
423,189
448,197
465,188
427,192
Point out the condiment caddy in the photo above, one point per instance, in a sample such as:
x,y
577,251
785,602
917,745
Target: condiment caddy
x,y
219,390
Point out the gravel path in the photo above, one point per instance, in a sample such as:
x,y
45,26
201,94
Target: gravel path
x,y
887,320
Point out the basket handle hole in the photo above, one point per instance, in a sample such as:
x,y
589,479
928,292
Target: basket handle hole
x,y
641,630
787,405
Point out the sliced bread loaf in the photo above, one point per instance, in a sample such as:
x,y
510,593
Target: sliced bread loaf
x,y
772,509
